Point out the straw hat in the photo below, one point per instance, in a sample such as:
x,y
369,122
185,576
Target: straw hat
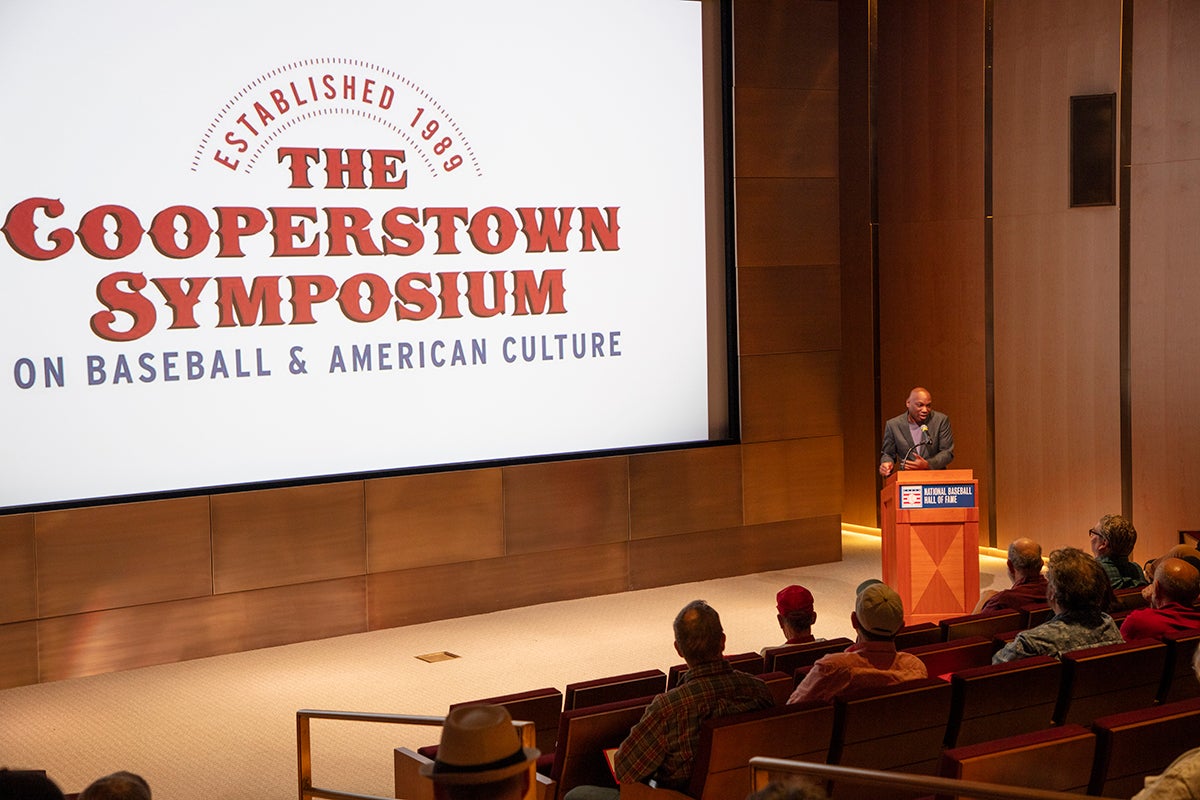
x,y
479,745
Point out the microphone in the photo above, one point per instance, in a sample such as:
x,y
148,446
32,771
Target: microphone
x,y
911,450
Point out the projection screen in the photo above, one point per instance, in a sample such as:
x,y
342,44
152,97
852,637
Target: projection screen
x,y
258,243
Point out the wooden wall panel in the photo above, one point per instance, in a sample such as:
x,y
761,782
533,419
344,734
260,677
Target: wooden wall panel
x,y
786,221
122,555
682,491
283,536
477,587
788,309
786,43
1164,279
1035,75
162,633
793,479
717,554
18,654
786,133
931,223
1166,383
858,360
1058,454
1056,286
1165,77
931,105
18,569
421,520
790,396
932,329
553,506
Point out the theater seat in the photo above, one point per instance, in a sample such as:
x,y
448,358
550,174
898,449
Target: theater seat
x,y
1059,759
1179,681
781,685
614,688
945,657
1000,700
899,727
917,634
987,624
1109,679
1036,614
583,736
751,663
542,707
1134,744
790,657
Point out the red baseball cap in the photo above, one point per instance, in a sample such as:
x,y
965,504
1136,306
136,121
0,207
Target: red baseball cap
x,y
793,599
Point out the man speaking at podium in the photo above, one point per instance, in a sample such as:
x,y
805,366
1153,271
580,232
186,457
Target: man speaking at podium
x,y
920,438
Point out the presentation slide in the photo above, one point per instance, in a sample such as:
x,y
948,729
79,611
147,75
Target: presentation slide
x,y
248,243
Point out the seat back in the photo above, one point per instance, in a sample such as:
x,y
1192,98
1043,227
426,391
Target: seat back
x,y
742,662
583,736
542,707
791,657
1001,700
1059,759
960,654
1109,679
781,685
722,767
1179,681
613,689
917,634
898,727
1135,744
1036,614
987,624
1129,599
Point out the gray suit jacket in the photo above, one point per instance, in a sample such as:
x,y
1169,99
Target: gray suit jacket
x,y
897,440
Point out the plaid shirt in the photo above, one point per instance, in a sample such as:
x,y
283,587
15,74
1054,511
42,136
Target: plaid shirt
x,y
663,743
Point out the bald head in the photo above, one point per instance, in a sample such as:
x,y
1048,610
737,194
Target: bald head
x,y
1025,557
919,405
1176,581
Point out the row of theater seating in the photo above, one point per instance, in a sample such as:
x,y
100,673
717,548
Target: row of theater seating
x,y
971,702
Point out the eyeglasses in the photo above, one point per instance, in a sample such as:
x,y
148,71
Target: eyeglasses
x,y
1094,532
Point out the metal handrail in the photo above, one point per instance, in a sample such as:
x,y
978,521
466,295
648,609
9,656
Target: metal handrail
x,y
761,769
304,746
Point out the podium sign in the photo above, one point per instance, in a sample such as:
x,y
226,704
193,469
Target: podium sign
x,y
930,546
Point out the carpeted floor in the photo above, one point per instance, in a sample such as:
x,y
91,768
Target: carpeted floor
x,y
224,728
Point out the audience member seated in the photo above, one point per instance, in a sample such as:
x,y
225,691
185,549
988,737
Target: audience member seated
x,y
22,784
118,786
872,660
1172,596
1112,541
1185,551
1078,591
1028,583
662,746
796,616
480,756
1181,781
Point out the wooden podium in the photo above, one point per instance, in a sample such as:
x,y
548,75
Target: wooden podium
x,y
930,547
